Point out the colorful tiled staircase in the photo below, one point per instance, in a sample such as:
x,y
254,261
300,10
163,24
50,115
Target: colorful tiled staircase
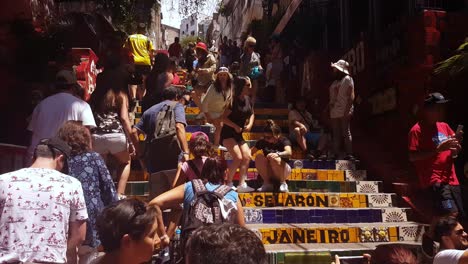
x,y
331,208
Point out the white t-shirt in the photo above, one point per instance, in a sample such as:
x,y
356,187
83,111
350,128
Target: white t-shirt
x,y
36,208
448,256
340,95
50,114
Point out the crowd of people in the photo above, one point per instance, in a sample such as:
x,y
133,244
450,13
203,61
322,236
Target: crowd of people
x,y
65,208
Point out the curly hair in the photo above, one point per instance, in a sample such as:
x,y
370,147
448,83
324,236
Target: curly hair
x,y
225,243
76,135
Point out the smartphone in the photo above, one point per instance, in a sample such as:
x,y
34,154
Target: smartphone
x,y
352,260
459,130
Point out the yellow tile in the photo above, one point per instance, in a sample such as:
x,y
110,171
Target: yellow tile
x,y
188,135
339,175
320,200
393,234
353,235
322,175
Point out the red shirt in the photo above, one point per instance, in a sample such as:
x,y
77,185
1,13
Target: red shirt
x,y
438,168
175,50
176,79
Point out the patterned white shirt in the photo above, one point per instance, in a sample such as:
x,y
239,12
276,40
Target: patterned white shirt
x,y
36,207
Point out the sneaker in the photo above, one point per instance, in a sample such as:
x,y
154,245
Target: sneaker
x,y
266,188
283,187
244,188
231,185
222,148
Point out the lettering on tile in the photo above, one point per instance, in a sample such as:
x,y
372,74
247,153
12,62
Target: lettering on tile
x,y
286,199
307,235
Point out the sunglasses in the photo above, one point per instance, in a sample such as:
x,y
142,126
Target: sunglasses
x,y
460,232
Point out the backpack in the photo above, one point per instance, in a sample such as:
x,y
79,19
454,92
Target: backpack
x,y
208,207
164,149
194,168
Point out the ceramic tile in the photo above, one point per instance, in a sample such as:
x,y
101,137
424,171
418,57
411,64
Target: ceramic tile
x,y
356,175
334,200
411,233
345,165
253,216
367,187
394,215
366,234
381,234
380,200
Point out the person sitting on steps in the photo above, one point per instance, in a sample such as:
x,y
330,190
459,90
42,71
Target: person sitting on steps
x,y
306,131
272,163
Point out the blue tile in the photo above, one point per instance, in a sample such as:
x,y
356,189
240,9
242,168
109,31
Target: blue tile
x,y
312,212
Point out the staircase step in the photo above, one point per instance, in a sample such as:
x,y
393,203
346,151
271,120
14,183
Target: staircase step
x,y
315,175
137,188
338,233
334,186
279,215
318,200
341,165
324,253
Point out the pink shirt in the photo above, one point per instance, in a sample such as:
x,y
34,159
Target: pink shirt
x,y
189,173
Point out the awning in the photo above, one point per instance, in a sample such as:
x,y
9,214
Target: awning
x,y
287,16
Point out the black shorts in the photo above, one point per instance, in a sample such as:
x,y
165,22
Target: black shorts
x,y
447,199
229,132
140,71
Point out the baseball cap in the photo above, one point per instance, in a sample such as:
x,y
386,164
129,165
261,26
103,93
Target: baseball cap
x,y
66,77
57,143
435,98
199,133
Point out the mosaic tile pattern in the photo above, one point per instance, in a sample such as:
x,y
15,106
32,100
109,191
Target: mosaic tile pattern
x,y
380,200
367,187
345,165
323,200
332,235
304,216
394,215
411,233
356,175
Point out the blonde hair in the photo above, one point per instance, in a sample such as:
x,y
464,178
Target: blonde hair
x,y
250,40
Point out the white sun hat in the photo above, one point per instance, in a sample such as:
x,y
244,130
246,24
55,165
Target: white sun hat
x,y
341,65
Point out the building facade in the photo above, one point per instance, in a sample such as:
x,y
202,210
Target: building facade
x,y
168,35
189,26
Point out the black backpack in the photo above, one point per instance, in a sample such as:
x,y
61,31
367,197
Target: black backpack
x,y
164,149
206,208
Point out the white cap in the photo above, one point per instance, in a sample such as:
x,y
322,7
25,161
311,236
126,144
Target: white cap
x,y
342,66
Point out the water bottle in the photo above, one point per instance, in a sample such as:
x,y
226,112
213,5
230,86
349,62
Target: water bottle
x,y
175,247
298,164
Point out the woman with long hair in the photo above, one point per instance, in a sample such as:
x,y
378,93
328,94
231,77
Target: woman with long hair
x,y
216,99
98,188
159,78
212,175
272,162
111,137
238,118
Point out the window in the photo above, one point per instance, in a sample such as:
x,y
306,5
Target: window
x,y
192,33
186,27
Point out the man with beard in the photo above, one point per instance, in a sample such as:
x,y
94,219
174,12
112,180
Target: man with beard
x,y
453,242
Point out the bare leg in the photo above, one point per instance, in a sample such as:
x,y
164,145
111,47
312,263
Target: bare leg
x,y
300,139
217,134
236,154
263,168
123,172
278,167
133,91
244,162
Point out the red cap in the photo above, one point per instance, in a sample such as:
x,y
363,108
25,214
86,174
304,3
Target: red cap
x,y
201,45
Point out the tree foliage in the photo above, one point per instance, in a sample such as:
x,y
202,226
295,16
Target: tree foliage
x,y
188,7
455,65
185,41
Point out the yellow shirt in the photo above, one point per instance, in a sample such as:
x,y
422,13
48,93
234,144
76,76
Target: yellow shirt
x,y
141,47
